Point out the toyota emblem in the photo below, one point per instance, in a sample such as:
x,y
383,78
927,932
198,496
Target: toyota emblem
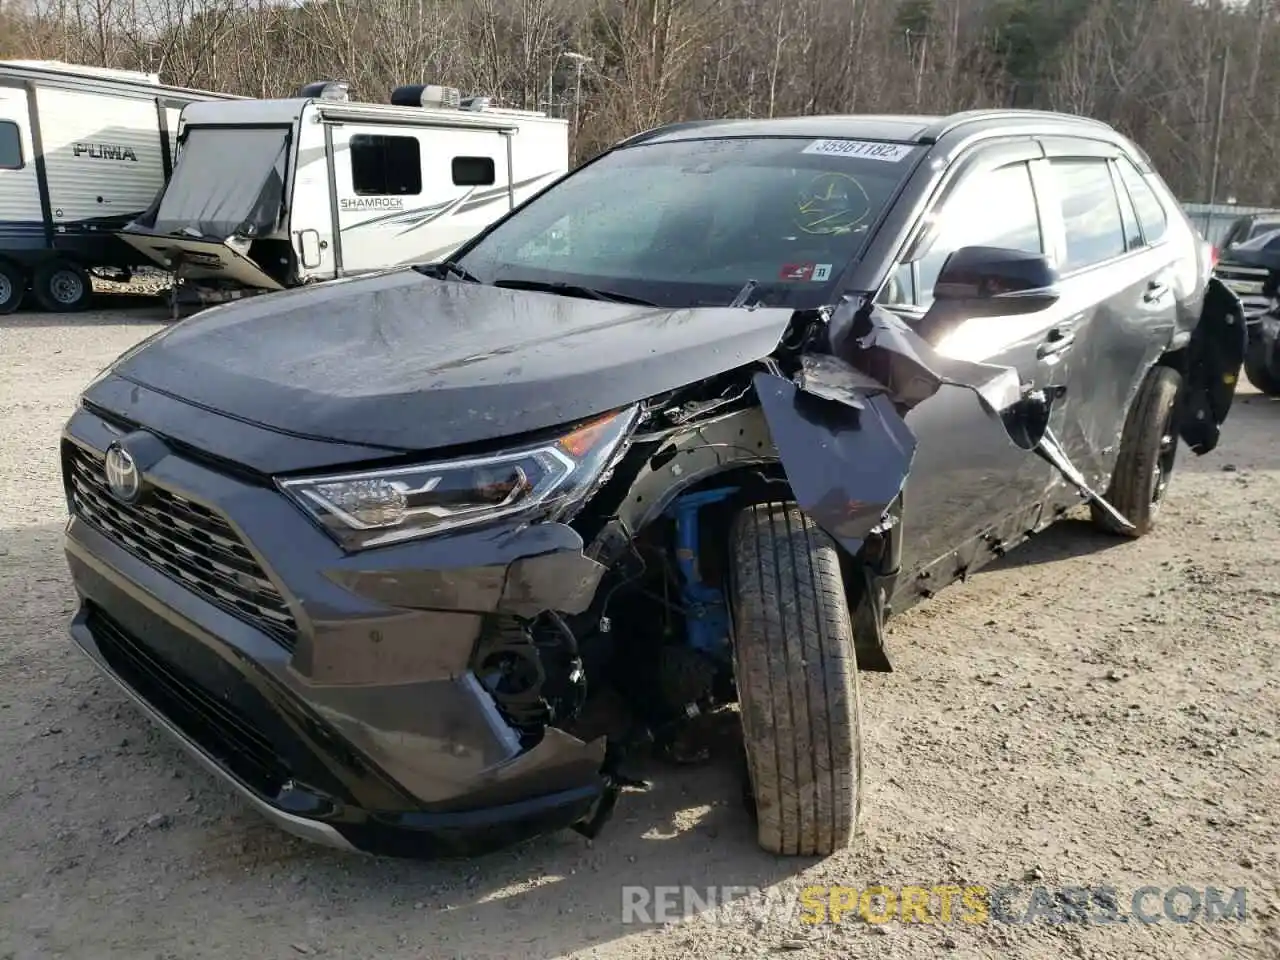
x,y
123,478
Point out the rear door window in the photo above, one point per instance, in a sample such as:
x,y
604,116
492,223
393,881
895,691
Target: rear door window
x,y
1151,213
1090,211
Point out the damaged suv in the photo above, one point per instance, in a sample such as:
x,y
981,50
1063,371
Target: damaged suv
x,y
683,429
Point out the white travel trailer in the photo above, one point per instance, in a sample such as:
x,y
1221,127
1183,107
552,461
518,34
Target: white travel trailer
x,y
83,151
269,194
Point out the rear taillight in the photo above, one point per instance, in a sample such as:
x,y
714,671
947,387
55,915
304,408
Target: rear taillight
x,y
1213,256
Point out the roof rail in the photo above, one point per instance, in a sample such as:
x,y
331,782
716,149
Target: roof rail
x,y
956,120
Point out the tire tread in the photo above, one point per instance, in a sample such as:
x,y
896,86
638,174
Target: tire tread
x,y
797,682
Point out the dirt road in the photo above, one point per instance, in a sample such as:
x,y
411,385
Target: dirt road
x,y
1090,712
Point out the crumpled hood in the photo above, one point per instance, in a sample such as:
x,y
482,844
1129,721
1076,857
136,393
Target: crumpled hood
x,y
407,362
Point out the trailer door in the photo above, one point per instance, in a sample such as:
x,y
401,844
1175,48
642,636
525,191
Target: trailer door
x,y
21,218
414,194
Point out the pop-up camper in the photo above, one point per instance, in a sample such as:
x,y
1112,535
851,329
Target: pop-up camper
x,y
269,194
83,151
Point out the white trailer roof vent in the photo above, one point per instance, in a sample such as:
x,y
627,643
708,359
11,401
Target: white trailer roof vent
x,y
428,95
326,90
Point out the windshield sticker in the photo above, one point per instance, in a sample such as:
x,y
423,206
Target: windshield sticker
x,y
832,203
796,271
859,150
821,273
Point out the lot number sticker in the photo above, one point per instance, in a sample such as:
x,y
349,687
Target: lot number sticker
x,y
859,150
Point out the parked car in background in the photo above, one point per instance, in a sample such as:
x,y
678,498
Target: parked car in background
x,y
688,425
1260,255
1238,263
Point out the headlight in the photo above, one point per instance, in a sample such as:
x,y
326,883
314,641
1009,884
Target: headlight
x,y
386,506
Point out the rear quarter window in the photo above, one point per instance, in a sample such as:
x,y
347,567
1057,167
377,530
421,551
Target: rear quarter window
x,y
1151,213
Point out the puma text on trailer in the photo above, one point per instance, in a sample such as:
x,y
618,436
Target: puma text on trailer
x,y
83,150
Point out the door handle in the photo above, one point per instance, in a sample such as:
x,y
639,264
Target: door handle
x,y
1156,290
1056,341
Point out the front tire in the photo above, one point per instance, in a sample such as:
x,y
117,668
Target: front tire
x,y
62,286
1148,451
797,679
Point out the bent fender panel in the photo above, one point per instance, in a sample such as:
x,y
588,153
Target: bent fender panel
x,y
846,465
1214,358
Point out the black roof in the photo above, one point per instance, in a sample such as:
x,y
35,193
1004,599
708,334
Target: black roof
x,y
896,128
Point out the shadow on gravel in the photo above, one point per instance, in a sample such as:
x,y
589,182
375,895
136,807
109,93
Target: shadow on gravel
x,y
142,309
1069,537
1252,413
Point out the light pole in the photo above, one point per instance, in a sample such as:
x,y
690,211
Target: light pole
x,y
579,61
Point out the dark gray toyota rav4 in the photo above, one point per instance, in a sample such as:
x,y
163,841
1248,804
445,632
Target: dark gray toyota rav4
x,y
683,430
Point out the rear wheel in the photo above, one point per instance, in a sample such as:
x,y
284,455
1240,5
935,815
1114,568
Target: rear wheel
x,y
797,681
1262,374
1148,450
62,286
13,284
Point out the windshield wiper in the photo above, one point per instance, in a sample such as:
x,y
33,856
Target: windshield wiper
x,y
444,269
572,290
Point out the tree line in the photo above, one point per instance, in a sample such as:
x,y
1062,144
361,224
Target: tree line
x,y
1153,68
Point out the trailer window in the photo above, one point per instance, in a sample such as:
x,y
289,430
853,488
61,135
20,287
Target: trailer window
x,y
10,146
473,171
383,166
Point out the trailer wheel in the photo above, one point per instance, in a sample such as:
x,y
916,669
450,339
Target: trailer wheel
x,y
61,286
797,679
1148,450
13,284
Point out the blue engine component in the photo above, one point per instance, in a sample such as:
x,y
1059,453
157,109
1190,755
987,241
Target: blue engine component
x,y
706,613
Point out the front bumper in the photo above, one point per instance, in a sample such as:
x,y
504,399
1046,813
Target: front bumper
x,y
364,728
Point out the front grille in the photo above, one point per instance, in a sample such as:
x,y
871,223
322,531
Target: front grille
x,y
1247,282
185,540
219,729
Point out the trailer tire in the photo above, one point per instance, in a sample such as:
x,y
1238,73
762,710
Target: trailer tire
x,y
13,286
797,679
62,286
1148,450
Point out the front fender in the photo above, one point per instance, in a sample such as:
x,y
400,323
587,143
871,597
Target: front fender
x,y
846,464
1214,358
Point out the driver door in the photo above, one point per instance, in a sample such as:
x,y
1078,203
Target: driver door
x,y
967,476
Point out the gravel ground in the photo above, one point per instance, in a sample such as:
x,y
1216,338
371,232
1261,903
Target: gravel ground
x,y
1088,712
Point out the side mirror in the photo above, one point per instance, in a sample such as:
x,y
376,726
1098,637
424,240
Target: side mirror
x,y
996,282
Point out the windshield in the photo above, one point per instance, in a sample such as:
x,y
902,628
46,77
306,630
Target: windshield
x,y
1263,226
690,223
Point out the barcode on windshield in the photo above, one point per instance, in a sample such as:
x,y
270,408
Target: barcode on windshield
x,y
859,149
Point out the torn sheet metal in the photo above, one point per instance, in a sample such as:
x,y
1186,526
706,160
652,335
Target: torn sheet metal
x,y
845,465
877,355
1214,358
881,345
